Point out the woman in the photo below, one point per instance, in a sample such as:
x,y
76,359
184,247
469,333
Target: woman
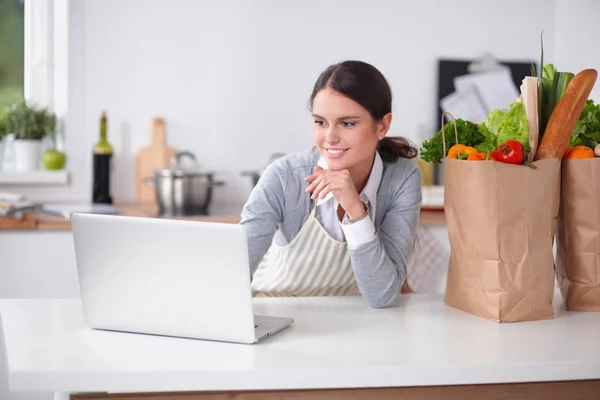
x,y
339,219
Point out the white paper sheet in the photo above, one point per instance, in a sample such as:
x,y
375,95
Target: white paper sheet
x,y
465,104
496,88
67,209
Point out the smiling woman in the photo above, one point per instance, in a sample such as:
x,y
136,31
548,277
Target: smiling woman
x,y
339,219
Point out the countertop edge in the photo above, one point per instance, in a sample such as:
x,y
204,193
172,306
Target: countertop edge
x,y
43,222
308,379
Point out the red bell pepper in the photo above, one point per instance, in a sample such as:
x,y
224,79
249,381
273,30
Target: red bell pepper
x,y
511,152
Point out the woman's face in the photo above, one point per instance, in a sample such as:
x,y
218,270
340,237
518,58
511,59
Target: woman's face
x,y
344,132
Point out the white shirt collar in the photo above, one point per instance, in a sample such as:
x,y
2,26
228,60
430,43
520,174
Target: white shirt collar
x,y
369,193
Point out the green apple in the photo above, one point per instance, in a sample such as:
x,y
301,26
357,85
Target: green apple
x,y
54,159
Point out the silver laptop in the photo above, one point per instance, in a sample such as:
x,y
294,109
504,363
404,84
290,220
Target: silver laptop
x,y
167,277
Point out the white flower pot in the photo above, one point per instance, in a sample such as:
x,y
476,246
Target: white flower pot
x,y
27,154
1,155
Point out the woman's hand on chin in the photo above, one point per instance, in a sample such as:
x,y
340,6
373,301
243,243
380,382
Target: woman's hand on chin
x,y
340,185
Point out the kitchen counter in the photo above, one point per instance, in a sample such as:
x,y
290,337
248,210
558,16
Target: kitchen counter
x,y
49,222
429,216
418,349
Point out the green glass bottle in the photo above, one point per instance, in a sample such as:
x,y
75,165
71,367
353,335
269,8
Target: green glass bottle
x,y
102,153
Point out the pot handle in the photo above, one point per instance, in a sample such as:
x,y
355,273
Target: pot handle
x,y
175,159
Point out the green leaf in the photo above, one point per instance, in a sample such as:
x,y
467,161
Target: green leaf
x,y
29,122
469,134
554,84
3,122
587,129
549,71
563,81
490,140
494,120
509,125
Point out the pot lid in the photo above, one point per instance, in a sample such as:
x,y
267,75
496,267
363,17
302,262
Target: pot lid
x,y
176,169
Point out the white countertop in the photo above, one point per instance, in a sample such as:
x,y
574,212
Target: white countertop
x,y
335,343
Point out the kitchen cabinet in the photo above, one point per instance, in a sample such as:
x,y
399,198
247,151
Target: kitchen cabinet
x,y
37,264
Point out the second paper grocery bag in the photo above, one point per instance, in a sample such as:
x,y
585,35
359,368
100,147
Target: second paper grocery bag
x,y
578,235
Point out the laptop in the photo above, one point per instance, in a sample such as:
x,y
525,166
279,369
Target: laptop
x,y
167,277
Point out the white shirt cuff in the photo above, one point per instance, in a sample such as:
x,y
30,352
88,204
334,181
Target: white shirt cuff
x,y
358,233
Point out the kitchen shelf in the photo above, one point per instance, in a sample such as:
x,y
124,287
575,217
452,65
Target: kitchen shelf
x,y
38,177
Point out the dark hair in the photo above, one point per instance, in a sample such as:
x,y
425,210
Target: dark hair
x,y
364,84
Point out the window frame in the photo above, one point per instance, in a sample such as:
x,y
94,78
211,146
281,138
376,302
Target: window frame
x,y
46,53
45,77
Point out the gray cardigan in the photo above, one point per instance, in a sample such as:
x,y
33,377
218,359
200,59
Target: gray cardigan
x,y
279,205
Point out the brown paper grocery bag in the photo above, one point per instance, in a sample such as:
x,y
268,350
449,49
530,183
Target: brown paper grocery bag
x,y
501,222
578,235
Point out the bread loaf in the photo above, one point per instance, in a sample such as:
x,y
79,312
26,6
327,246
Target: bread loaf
x,y
565,115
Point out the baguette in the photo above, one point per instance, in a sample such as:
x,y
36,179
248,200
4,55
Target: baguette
x,y
565,115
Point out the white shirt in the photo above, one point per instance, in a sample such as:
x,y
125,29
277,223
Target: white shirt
x,y
361,231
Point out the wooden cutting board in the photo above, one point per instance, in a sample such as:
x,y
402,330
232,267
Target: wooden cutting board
x,y
149,159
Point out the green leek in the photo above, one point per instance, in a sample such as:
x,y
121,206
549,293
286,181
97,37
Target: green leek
x,y
554,85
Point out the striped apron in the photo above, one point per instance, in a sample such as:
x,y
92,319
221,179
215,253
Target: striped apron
x,y
312,264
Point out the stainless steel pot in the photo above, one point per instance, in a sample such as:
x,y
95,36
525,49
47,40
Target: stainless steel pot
x,y
180,191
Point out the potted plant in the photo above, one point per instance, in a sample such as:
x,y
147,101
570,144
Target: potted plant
x,y
3,120
29,125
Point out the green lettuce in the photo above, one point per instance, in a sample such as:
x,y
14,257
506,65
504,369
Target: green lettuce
x,y
508,125
489,139
587,129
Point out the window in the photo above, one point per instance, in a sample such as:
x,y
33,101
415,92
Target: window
x,y
33,65
12,46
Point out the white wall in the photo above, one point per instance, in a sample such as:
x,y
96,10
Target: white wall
x,y
577,37
232,78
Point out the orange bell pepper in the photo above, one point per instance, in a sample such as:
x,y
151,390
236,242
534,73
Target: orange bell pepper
x,y
481,156
465,151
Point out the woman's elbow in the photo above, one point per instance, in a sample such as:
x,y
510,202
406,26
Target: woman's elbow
x,y
383,300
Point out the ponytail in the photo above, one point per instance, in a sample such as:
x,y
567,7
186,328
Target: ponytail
x,y
392,148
